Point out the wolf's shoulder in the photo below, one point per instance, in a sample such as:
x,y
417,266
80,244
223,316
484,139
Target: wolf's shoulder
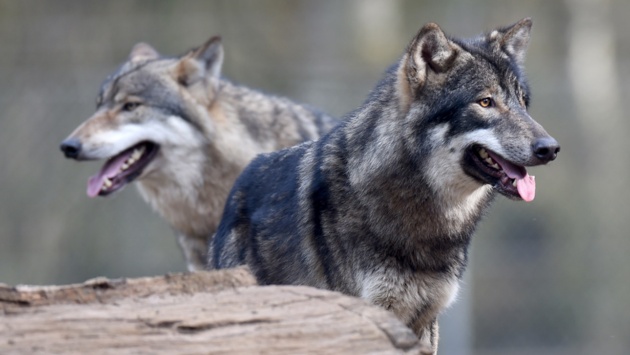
x,y
269,169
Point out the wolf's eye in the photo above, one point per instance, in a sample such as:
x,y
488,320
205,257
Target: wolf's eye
x,y
130,106
487,102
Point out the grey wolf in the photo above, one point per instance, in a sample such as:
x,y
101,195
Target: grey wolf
x,y
385,205
184,134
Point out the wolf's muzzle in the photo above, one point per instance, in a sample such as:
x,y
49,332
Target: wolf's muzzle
x,y
71,148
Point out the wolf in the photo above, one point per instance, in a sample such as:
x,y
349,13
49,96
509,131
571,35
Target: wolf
x,y
385,205
184,133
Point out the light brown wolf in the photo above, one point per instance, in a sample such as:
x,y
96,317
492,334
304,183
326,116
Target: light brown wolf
x,y
184,134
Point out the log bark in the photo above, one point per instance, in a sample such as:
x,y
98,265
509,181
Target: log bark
x,y
216,312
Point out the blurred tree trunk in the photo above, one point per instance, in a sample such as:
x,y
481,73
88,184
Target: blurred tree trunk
x,y
594,74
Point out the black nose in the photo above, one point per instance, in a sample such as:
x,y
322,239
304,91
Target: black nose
x,y
546,149
71,148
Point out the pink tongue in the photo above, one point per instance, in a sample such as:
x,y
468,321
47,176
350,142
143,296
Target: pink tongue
x,y
527,187
109,170
525,184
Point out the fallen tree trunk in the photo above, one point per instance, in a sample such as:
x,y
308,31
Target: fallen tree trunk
x,y
218,312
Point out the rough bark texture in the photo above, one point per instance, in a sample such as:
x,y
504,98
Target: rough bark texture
x,y
219,312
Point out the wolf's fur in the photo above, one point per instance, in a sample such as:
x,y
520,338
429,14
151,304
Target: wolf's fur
x,y
207,128
385,205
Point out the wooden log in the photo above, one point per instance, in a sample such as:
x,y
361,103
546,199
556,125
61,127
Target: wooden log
x,y
217,312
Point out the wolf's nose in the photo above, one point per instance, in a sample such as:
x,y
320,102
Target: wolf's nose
x,y
71,148
546,149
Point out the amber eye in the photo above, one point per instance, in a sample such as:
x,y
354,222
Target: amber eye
x,y
487,102
130,106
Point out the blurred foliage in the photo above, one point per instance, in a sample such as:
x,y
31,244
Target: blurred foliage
x,y
550,277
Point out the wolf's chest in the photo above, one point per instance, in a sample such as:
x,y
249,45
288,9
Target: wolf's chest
x,y
410,295
185,213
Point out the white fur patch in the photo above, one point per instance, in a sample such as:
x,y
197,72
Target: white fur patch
x,y
405,292
173,179
461,194
450,292
181,147
487,138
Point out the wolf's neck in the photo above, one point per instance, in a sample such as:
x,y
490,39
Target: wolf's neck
x,y
271,122
190,188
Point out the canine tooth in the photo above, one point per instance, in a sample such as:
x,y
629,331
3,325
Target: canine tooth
x,y
124,166
514,182
107,183
496,166
483,153
489,161
137,153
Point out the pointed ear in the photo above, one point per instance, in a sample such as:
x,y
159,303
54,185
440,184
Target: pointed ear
x,y
429,51
141,52
203,62
210,54
514,39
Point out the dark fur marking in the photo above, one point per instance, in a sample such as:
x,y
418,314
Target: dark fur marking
x,y
248,120
367,134
320,201
111,82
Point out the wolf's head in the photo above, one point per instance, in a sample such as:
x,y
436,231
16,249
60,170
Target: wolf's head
x,y
150,111
466,107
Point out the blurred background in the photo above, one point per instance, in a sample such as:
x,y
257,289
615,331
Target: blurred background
x,y
549,277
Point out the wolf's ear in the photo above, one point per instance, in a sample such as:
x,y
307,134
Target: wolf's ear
x,y
514,39
204,62
211,55
141,52
430,50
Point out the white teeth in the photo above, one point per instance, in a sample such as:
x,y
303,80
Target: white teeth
x,y
514,182
492,163
486,157
107,183
137,153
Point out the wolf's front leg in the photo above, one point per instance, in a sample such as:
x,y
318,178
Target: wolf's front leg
x,y
428,334
194,251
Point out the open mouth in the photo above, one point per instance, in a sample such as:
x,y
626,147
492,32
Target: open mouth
x,y
121,169
508,178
